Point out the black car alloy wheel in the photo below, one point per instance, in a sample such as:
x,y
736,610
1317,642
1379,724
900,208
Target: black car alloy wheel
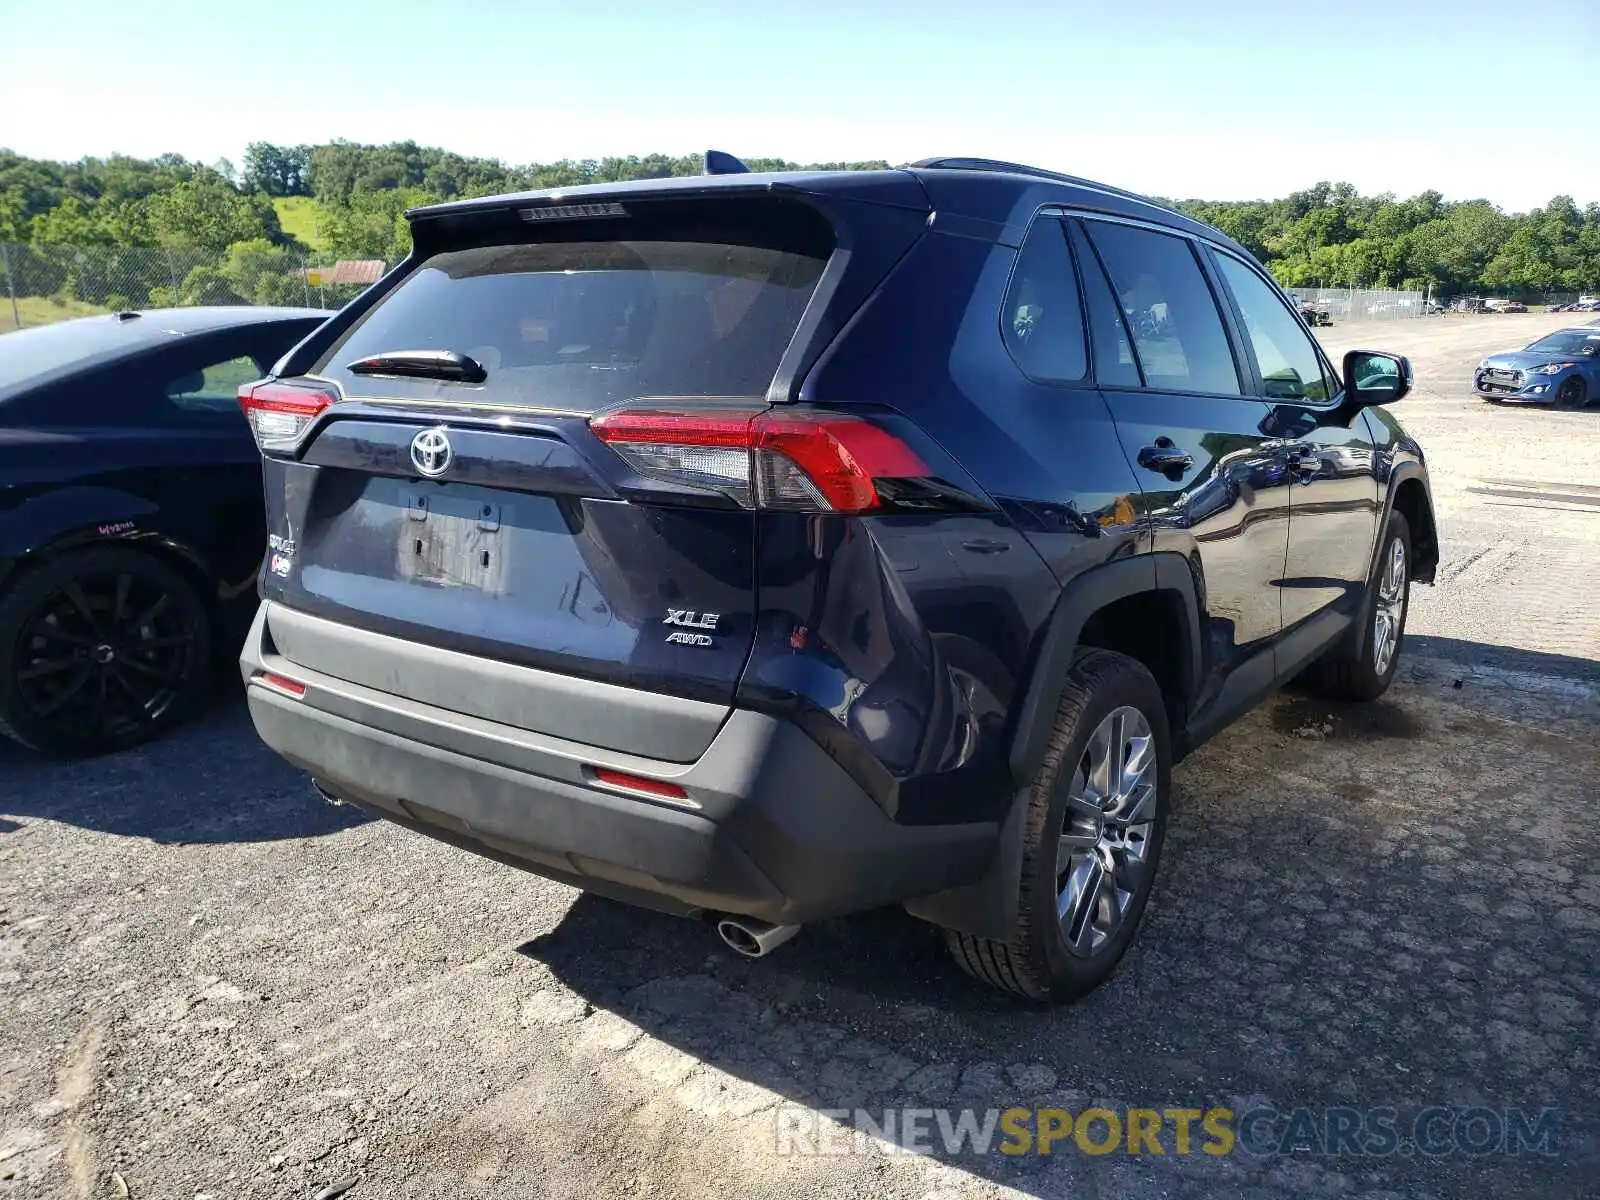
x,y
107,647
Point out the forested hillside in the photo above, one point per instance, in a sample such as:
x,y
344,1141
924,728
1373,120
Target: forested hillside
x,y
355,194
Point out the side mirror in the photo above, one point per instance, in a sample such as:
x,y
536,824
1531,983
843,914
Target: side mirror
x,y
1372,377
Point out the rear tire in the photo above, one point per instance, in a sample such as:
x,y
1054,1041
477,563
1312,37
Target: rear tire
x,y
1362,665
1103,784
100,649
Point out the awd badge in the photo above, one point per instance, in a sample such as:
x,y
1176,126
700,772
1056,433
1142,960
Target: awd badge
x,y
687,619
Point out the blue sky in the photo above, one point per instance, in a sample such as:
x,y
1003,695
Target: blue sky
x,y
1217,100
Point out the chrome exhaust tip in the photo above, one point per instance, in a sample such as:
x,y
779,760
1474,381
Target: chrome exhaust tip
x,y
752,938
322,790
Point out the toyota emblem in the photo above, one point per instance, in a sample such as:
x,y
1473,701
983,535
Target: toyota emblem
x,y
431,453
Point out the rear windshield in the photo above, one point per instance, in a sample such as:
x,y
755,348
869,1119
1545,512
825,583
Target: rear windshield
x,y
578,325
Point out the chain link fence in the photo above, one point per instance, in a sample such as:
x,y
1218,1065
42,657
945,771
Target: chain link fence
x,y
55,283
1346,305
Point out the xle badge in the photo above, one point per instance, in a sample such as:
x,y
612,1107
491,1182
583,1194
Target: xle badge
x,y
686,619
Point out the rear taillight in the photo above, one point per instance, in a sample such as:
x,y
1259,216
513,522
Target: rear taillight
x,y
819,462
280,413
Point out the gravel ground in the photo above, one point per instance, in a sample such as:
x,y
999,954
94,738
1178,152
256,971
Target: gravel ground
x,y
216,985
1516,493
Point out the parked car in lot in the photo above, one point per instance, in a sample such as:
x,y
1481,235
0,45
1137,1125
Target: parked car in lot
x,y
130,516
1561,368
1312,314
769,548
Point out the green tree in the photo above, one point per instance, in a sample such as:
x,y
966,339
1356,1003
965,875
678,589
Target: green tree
x,y
372,224
277,170
74,222
259,272
1452,250
209,213
14,219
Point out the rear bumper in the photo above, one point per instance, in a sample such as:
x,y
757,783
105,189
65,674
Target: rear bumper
x,y
771,827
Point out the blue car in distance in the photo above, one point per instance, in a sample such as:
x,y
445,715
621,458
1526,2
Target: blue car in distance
x,y
1561,368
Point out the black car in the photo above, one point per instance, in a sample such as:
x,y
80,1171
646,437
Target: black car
x,y
768,548
130,516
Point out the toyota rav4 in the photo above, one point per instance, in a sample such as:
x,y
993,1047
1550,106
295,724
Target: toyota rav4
x,y
771,547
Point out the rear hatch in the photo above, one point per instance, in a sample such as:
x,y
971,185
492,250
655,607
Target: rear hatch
x,y
432,474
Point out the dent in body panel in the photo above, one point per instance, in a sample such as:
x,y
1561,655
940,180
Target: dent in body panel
x,y
932,645
899,644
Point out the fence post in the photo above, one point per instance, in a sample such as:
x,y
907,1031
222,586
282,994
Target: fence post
x,y
11,287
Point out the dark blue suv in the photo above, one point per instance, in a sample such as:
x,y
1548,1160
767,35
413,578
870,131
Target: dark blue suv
x,y
767,548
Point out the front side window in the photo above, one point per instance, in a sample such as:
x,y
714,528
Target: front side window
x,y
1291,368
1169,309
1041,320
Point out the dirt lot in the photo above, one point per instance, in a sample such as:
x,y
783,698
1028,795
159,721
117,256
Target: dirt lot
x,y
215,985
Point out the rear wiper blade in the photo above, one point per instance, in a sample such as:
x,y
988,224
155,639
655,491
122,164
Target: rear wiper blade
x,y
422,364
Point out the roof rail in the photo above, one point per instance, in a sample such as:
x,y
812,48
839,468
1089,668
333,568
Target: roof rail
x,y
1011,168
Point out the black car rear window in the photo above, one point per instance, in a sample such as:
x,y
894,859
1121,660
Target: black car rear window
x,y
577,325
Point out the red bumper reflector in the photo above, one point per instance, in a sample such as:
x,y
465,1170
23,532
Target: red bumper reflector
x,y
638,783
280,683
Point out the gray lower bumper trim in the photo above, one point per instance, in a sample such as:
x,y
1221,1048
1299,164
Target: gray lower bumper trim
x,y
598,714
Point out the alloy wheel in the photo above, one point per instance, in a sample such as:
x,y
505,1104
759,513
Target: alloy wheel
x,y
1389,613
1101,852
105,656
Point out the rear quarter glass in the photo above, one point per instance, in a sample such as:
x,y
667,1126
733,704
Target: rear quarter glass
x,y
580,326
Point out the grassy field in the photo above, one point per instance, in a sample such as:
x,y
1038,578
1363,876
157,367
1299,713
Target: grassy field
x,y
299,217
42,310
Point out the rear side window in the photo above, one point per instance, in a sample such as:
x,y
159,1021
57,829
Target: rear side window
x,y
1114,364
1168,306
1042,321
577,325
